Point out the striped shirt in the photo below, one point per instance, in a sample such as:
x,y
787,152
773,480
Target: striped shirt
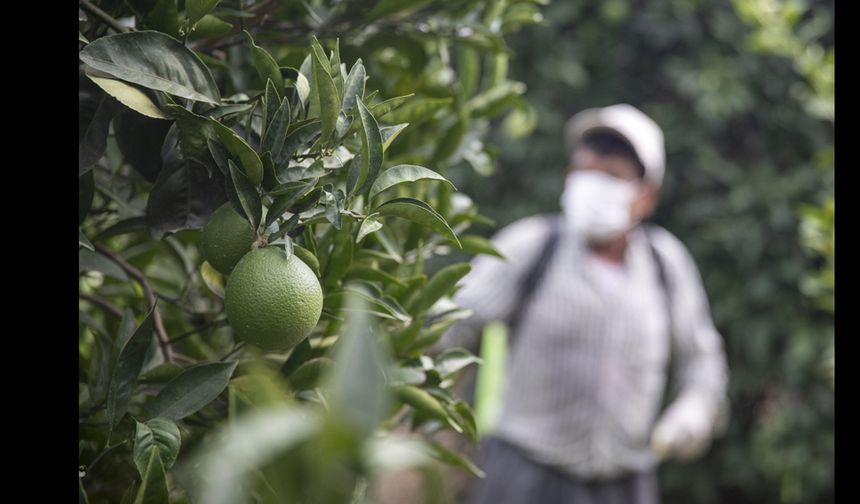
x,y
587,370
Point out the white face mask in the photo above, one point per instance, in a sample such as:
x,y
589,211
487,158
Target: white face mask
x,y
598,205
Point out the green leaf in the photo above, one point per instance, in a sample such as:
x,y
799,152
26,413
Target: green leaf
x,y
286,188
297,173
469,70
417,111
419,212
125,226
194,131
439,285
209,27
450,142
382,109
300,354
140,139
334,204
357,384
91,261
272,100
101,367
354,86
407,375
161,374
253,441
192,390
388,7
283,202
307,376
153,487
94,117
127,368
196,9
230,109
160,436
367,273
127,94
403,339
267,67
83,241
317,52
244,197
155,61
86,192
370,224
126,329
276,132
183,197
300,136
370,304
340,260
390,133
451,458
462,414
421,401
213,279
390,246
365,174
453,360
308,258
325,93
335,68
163,17
475,244
236,145
404,173
495,100
303,88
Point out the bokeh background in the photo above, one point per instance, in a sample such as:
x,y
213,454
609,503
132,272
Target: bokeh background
x,y
744,90
744,93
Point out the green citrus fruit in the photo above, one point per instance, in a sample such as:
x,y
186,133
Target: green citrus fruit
x,y
273,302
227,237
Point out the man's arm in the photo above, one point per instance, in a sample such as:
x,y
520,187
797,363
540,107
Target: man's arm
x,y
491,288
701,409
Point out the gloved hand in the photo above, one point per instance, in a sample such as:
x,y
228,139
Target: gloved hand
x,y
685,429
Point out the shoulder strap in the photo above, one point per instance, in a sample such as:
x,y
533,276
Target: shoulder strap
x,y
661,272
532,279
667,295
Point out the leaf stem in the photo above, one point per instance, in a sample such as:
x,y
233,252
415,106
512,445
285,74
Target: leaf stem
x,y
104,16
163,338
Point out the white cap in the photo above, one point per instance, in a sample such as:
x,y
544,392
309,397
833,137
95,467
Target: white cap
x,y
643,134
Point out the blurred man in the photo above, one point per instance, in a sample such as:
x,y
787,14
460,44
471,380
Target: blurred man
x,y
598,303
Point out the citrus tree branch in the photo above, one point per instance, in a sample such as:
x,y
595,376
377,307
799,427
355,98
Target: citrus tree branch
x,y
207,325
163,338
101,303
102,15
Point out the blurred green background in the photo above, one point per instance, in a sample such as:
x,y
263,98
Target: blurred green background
x,y
744,93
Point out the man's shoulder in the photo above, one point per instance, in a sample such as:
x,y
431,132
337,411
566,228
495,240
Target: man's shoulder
x,y
532,224
521,240
670,248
